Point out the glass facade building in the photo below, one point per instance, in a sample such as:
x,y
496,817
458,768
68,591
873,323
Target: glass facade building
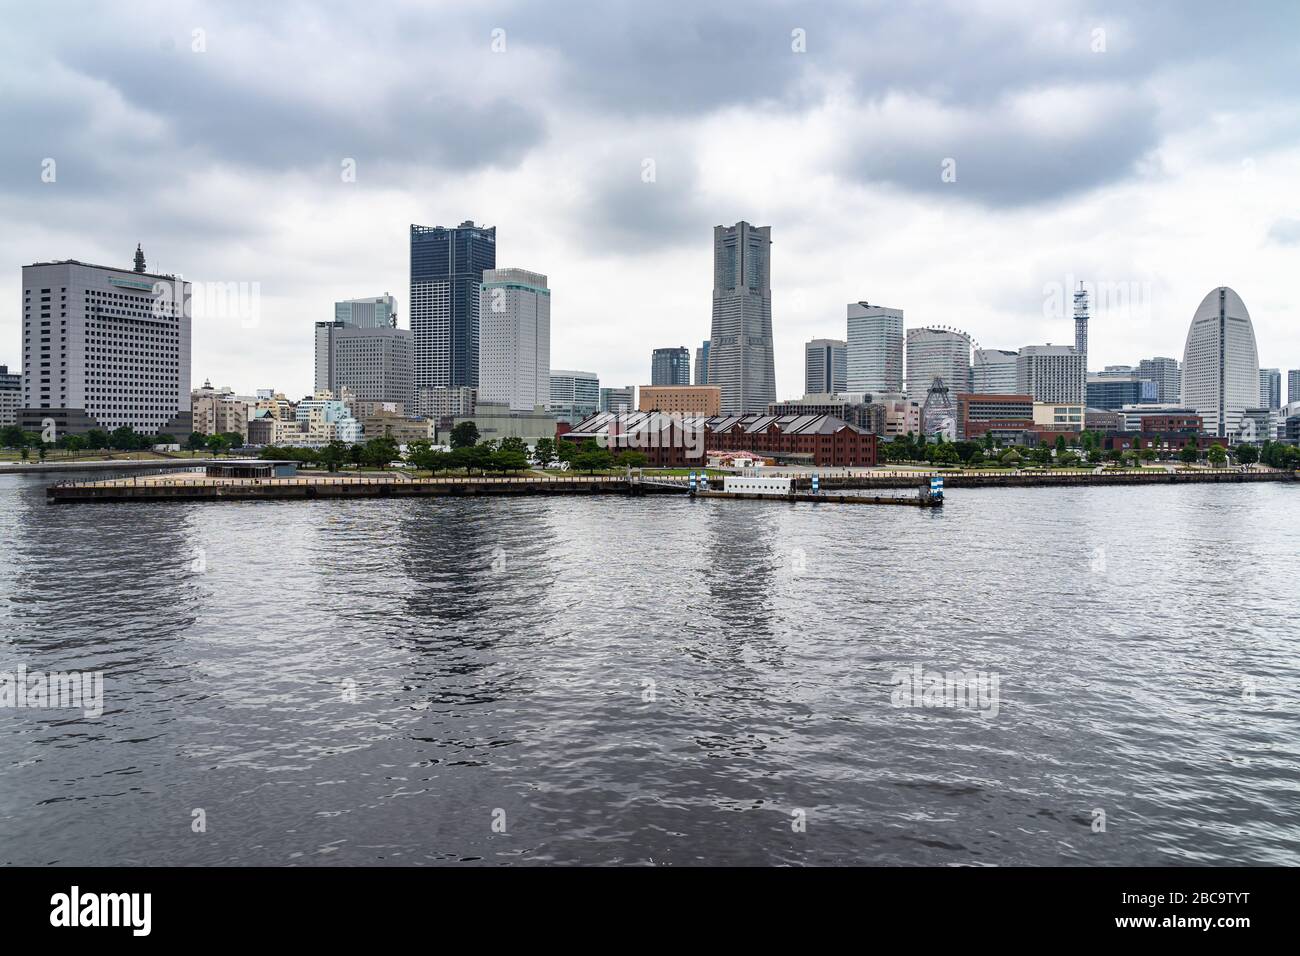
x,y
447,268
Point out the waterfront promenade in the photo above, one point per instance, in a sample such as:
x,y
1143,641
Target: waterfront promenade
x,y
189,486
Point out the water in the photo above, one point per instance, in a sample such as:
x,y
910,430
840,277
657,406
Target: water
x,y
500,654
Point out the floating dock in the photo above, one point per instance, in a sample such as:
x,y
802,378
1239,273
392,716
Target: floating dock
x,y
916,501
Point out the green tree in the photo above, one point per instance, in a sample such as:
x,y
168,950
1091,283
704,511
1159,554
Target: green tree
x,y
357,455
1189,454
1010,457
1094,456
597,459
333,455
633,459
124,439
1060,445
544,451
464,435
504,460
378,452
566,450
1247,454
217,444
96,438
11,436
44,446
988,441
514,445
197,441
1216,455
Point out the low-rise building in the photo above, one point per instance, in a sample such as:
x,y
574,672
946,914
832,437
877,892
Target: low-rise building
x,y
497,421
682,399
1058,416
1006,415
402,429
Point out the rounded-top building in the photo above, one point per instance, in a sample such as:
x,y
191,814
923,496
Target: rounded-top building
x,y
1221,363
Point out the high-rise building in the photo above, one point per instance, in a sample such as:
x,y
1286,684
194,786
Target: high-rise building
x,y
702,364
937,353
670,366
1221,363
376,362
1270,388
1081,324
618,400
105,348
1051,373
574,395
11,396
994,372
378,312
1167,376
741,360
1293,385
874,348
826,367
447,268
514,339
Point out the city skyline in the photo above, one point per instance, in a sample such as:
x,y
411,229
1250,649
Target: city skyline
x,y
560,168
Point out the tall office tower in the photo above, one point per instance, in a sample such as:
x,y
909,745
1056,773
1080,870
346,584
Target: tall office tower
x,y
574,395
826,367
741,361
375,362
1221,363
670,366
1167,376
11,396
937,353
1051,373
514,339
447,268
874,349
379,312
620,401
104,348
702,364
994,372
1270,388
1081,326
1293,385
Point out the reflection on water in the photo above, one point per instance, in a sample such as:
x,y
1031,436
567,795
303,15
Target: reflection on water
x,y
654,680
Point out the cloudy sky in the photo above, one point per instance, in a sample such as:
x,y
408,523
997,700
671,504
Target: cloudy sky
x,y
1152,150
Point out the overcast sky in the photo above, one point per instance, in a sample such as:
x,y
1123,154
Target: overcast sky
x,y
1152,149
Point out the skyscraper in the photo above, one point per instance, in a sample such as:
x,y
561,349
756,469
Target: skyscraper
x,y
937,353
1270,388
874,348
377,312
741,360
994,372
670,366
1293,385
105,348
514,339
1081,324
375,362
1221,363
1167,376
825,367
702,364
446,269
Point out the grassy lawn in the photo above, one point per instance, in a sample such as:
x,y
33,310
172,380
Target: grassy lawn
x,y
53,457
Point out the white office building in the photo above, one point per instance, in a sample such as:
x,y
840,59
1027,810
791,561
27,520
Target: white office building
x,y
377,312
1221,363
514,339
1052,373
574,395
994,372
105,348
874,348
825,367
1167,375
